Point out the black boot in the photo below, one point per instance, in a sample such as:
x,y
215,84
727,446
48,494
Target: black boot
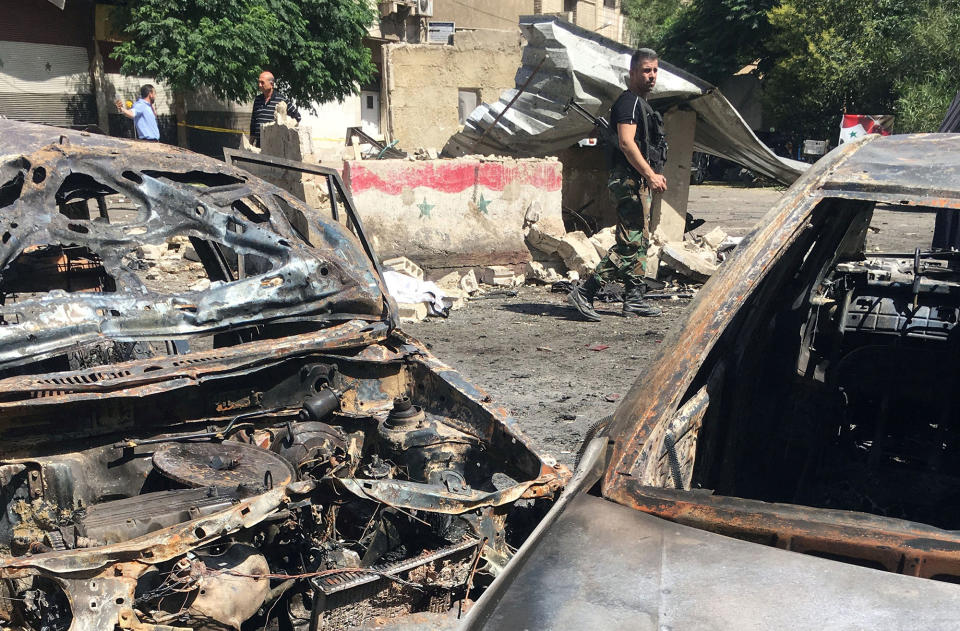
x,y
635,305
582,298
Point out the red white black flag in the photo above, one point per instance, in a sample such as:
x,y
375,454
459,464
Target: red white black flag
x,y
855,126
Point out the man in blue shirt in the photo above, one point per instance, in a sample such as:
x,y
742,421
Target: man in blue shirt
x,y
143,115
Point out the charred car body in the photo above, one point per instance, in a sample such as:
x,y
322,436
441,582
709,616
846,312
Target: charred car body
x,y
807,405
266,449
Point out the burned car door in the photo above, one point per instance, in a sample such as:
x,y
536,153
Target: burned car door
x,y
807,404
208,418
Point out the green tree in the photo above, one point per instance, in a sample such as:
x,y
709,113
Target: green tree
x,y
715,38
819,58
649,20
929,79
313,47
831,56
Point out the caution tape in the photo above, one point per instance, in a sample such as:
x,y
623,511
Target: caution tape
x,y
223,130
208,128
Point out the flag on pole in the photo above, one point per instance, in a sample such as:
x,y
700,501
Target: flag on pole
x,y
854,126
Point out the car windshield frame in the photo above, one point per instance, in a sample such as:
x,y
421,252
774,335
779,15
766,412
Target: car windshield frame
x,y
313,268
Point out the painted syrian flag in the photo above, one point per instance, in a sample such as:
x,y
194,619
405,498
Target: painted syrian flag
x,y
854,126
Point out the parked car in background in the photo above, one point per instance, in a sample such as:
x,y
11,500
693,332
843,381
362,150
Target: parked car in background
x,y
791,459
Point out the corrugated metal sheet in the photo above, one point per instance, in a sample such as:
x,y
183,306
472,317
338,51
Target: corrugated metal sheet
x,y
569,62
44,68
43,83
50,109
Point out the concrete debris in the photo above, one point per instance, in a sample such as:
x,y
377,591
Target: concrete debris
x,y
715,238
578,253
604,240
449,281
542,241
692,264
421,153
455,299
573,276
469,284
201,285
412,312
150,252
537,272
533,214
190,254
500,276
403,265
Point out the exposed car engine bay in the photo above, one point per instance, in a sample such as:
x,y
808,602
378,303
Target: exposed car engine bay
x,y
238,440
390,497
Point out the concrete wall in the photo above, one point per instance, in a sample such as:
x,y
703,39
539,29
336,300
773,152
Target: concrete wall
x,y
423,80
455,213
501,14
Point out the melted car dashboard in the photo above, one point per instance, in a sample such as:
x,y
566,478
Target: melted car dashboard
x,y
914,298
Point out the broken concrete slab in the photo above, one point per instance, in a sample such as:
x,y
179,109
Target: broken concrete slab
x,y
499,276
469,284
412,312
150,252
455,299
687,263
449,281
403,265
604,240
537,272
714,238
578,253
542,241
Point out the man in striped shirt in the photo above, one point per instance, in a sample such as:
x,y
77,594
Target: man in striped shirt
x,y
265,104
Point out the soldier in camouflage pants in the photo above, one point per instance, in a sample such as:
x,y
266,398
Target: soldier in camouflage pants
x,y
627,259
636,156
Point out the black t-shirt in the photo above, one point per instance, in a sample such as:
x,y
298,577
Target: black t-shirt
x,y
631,109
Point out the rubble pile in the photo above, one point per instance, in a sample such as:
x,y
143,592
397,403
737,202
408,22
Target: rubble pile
x,y
560,260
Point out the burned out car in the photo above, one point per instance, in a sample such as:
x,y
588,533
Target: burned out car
x,y
791,459
252,444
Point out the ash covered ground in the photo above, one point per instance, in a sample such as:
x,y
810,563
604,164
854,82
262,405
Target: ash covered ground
x,y
534,357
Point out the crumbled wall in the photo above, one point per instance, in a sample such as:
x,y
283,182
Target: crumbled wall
x,y
456,213
423,82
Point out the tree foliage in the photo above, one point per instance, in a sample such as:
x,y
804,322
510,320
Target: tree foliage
x,y
715,38
313,47
819,58
649,20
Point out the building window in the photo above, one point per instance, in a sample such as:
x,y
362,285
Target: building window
x,y
469,99
610,4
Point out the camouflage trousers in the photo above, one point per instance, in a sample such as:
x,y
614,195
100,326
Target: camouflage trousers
x,y
627,259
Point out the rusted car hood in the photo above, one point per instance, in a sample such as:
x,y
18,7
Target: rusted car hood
x,y
605,566
176,193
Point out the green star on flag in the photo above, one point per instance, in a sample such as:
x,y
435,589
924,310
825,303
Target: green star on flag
x,y
425,208
482,204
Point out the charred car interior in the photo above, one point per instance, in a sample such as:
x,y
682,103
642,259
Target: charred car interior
x,y
788,460
263,450
823,420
